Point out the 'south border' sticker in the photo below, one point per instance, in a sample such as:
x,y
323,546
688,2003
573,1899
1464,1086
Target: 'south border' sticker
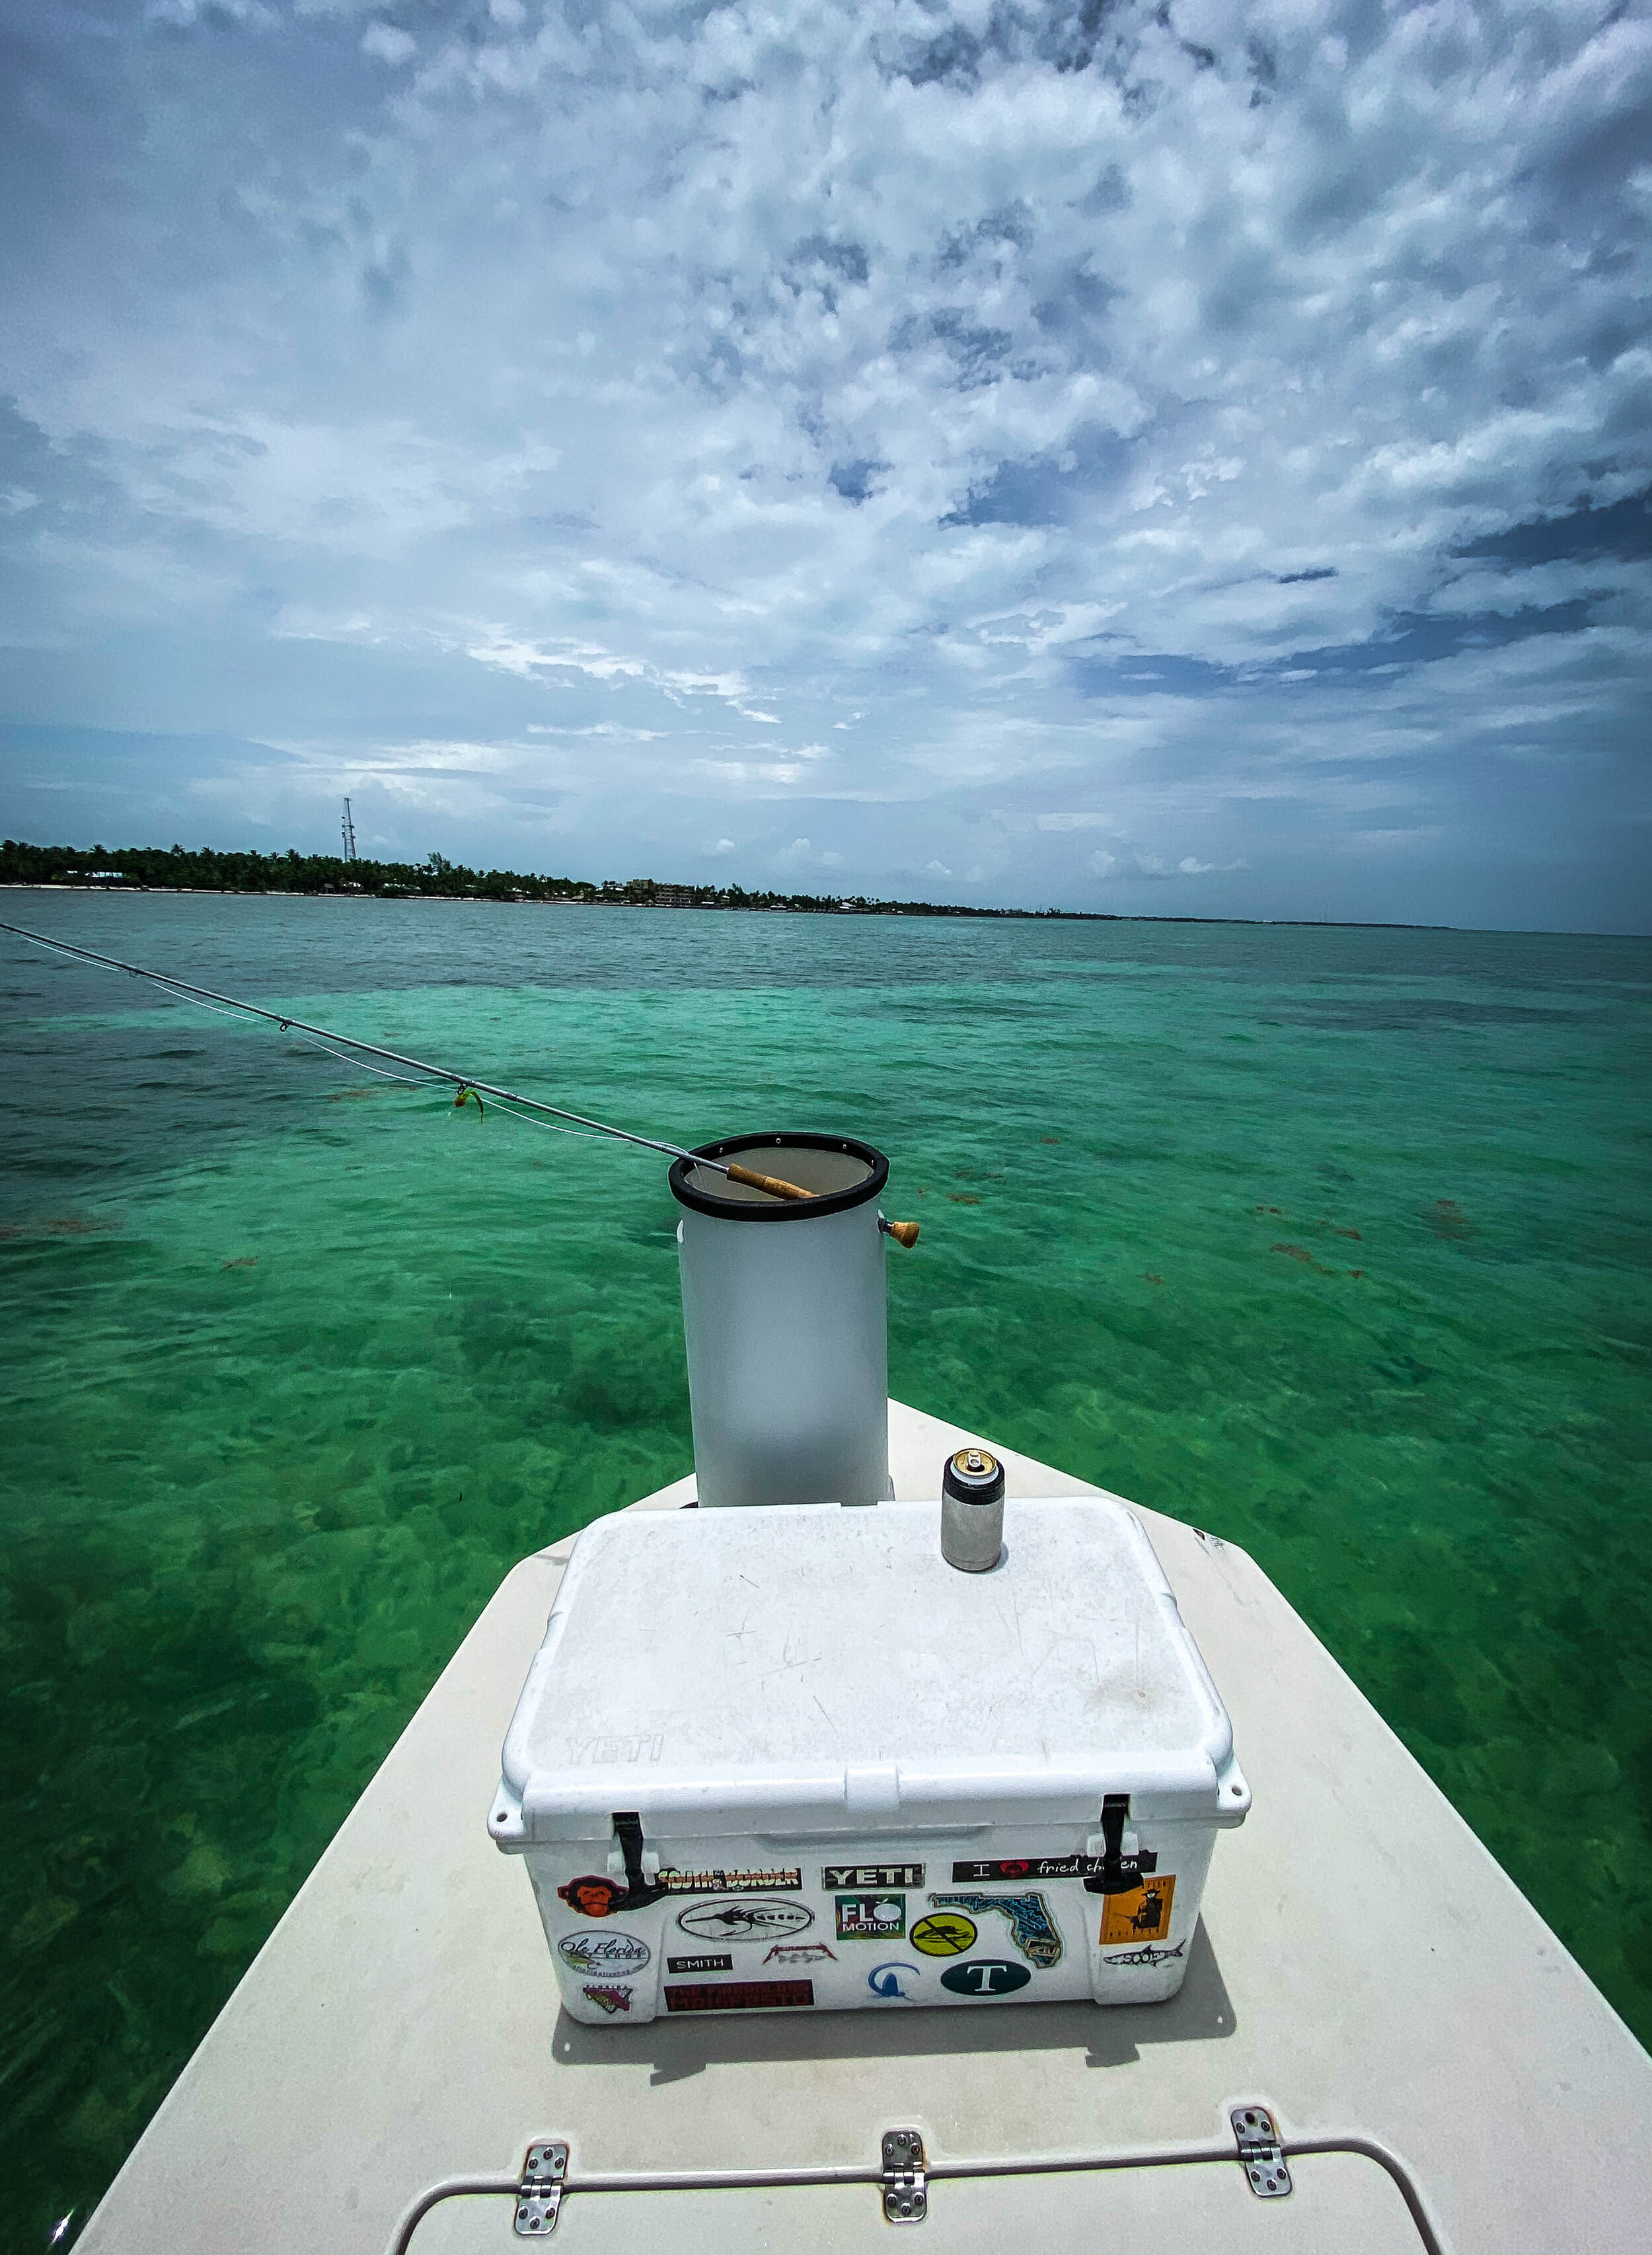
x,y
1142,1916
1031,1928
594,1897
736,1996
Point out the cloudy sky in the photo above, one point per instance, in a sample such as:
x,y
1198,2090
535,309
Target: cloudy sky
x,y
1181,459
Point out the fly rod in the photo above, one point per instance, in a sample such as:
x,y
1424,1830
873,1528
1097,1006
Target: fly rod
x,y
466,1083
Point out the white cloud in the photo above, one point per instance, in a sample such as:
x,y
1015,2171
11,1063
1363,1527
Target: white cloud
x,y
1065,417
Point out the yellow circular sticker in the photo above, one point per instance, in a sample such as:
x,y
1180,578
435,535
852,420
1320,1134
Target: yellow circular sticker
x,y
944,1933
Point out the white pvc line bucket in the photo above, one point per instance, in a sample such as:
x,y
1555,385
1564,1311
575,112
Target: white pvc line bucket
x,y
784,1319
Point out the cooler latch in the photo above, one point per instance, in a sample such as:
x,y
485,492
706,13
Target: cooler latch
x,y
1120,1874
905,2191
539,2195
1261,2155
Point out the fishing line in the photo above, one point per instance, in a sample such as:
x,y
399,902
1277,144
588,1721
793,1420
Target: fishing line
x,y
466,1083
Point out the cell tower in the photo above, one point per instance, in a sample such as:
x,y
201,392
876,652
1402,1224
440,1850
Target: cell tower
x,y
350,833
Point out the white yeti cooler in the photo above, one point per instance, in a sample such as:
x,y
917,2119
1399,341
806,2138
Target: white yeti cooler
x,y
788,1759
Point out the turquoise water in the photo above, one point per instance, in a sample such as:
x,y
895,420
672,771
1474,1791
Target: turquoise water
x,y
1334,1242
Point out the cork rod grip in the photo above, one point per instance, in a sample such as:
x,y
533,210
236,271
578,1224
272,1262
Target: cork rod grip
x,y
772,1183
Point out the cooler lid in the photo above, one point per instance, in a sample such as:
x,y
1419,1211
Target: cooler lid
x,y
816,1667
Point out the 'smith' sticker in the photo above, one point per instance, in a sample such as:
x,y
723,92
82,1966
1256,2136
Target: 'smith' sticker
x,y
710,1960
611,2000
736,1996
1031,1928
871,1918
1142,1916
944,1933
872,1875
622,1954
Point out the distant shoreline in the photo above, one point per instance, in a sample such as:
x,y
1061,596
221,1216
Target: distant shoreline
x,y
404,898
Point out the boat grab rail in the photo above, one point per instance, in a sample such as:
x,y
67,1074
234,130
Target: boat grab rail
x,y
1429,2231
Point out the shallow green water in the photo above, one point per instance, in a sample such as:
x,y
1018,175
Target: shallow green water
x,y
1333,1242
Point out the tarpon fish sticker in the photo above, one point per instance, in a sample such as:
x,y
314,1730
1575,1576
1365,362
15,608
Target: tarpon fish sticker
x,y
610,2000
744,1922
1031,1929
1145,1956
623,1953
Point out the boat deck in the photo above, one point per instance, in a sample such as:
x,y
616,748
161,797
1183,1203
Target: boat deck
x,y
1442,2072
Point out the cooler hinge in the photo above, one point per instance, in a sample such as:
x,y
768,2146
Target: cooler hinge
x,y
1261,2155
539,2195
905,2191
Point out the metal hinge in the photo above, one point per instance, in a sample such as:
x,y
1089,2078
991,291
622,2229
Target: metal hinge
x,y
1261,2155
539,2195
905,2192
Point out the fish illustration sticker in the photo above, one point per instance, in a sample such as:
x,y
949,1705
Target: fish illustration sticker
x,y
744,1922
871,1918
1142,1916
944,1933
611,1955
985,1976
1031,1928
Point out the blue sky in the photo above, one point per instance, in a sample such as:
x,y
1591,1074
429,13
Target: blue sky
x,y
1184,460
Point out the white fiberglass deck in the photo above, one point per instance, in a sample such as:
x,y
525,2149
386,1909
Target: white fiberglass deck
x,y
1441,2070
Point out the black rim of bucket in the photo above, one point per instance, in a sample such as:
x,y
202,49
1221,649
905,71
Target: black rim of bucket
x,y
760,1153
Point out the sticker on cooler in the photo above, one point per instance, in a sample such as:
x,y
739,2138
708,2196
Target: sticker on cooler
x,y
889,1983
871,1875
944,1933
1147,1955
871,1918
800,1953
1142,1916
744,1922
738,1996
611,1999
615,1953
710,1960
1037,1867
1031,1928
596,1897
985,1976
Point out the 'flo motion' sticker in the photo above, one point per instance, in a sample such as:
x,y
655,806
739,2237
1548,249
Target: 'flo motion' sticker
x,y
944,1933
1031,1928
871,1918
1142,1916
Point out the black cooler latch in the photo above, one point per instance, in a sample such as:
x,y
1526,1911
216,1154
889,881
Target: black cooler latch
x,y
1120,1874
628,1830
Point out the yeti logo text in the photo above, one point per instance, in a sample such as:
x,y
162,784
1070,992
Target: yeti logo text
x,y
608,1754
